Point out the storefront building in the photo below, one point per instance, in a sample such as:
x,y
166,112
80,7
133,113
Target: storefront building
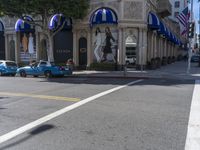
x,y
114,31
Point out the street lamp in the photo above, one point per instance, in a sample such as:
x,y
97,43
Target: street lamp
x,y
190,40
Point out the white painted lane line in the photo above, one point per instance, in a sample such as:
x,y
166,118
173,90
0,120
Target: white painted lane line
x,y
51,116
193,133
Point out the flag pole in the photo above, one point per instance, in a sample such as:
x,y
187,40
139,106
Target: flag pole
x,y
190,42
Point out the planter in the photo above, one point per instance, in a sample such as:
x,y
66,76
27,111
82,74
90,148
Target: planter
x,y
103,66
158,62
164,61
169,60
153,64
173,59
179,58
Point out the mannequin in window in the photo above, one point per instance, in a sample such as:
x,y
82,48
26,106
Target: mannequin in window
x,y
30,44
107,49
98,45
25,43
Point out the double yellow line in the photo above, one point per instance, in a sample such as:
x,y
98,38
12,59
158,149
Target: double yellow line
x,y
58,98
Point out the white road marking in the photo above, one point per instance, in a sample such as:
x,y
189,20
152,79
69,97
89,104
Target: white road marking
x,y
53,115
193,133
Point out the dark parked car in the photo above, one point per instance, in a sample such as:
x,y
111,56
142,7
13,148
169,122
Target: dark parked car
x,y
8,67
195,58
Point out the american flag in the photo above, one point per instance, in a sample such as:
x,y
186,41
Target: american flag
x,y
183,19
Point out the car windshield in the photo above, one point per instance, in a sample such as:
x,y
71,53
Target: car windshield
x,y
11,64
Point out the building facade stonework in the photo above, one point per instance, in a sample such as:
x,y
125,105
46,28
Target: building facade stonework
x,y
114,31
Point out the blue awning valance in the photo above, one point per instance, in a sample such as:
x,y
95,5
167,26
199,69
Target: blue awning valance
x,y
1,27
153,21
167,33
22,26
103,16
162,28
57,21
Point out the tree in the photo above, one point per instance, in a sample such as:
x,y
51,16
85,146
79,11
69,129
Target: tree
x,y
43,10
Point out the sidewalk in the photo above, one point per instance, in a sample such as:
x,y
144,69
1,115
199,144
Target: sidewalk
x,y
177,70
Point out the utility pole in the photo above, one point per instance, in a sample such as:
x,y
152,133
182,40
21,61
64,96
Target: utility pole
x,y
190,42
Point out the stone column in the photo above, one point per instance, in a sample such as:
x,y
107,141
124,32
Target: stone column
x,y
144,62
123,46
148,46
158,46
89,47
165,48
37,46
142,47
152,47
155,46
120,47
7,50
17,47
75,56
161,47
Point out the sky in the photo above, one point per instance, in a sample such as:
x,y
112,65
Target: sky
x,y
196,13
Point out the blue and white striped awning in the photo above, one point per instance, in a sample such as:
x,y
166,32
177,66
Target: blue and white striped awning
x,y
1,27
103,16
57,21
153,21
22,26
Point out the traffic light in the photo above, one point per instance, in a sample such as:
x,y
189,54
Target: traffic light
x,y
191,30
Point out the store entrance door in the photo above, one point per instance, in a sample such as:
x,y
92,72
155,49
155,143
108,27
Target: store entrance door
x,y
82,53
2,46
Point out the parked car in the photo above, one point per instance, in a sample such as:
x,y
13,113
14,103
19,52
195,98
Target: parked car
x,y
43,68
195,58
130,60
8,67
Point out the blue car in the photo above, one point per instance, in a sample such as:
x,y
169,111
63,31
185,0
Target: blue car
x,y
43,68
7,67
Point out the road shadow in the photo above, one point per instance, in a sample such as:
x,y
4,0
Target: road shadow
x,y
118,81
31,134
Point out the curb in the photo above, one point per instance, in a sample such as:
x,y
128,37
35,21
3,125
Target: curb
x,y
127,77
107,76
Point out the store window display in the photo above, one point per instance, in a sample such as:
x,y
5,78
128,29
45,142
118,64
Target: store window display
x,y
105,44
30,44
25,43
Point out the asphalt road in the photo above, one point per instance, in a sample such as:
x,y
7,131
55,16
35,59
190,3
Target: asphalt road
x,y
150,115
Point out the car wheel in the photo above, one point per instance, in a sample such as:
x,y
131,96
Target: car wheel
x,y
48,74
35,76
23,73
